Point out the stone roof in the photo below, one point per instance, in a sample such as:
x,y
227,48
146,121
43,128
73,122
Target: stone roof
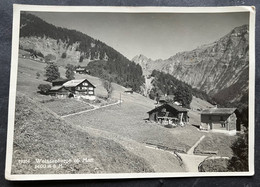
x,y
216,111
75,82
174,106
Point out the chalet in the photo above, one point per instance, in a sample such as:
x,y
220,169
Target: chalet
x,y
219,120
129,91
81,88
59,81
170,114
59,91
82,70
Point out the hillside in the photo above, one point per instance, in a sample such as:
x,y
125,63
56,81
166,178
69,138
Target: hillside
x,y
36,130
65,46
220,69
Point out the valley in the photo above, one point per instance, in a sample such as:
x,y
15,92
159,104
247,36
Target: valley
x,y
123,124
127,116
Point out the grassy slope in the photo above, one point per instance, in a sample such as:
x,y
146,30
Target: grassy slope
x,y
40,134
127,120
27,84
216,142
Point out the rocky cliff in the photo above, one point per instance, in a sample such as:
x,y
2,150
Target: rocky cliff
x,y
220,69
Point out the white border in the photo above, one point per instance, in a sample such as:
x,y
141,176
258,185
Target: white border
x,y
13,80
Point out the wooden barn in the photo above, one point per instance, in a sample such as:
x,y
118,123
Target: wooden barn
x,y
219,120
81,88
59,91
169,114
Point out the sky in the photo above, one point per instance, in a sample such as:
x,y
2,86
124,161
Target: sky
x,y
155,35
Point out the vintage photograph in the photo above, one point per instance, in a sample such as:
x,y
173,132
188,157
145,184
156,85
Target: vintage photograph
x,y
131,93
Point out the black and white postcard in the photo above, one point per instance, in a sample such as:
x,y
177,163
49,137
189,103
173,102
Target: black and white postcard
x,y
131,92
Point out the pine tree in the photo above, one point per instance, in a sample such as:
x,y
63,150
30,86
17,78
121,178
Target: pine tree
x,y
70,72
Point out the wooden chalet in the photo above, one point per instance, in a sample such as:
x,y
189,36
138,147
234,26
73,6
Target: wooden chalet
x,y
170,114
81,88
82,70
219,120
129,91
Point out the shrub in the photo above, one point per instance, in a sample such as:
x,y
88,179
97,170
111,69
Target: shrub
x,y
44,88
64,55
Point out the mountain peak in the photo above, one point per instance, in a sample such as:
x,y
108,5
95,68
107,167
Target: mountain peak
x,y
140,57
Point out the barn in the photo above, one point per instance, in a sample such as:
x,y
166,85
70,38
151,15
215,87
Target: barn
x,y
59,91
169,113
219,120
81,88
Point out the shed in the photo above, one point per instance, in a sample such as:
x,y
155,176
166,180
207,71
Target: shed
x,y
169,113
219,119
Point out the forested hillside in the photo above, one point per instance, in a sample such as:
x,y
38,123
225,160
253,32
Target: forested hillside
x,y
164,83
74,47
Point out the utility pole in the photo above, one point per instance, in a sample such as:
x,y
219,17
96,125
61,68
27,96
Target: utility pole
x,y
120,99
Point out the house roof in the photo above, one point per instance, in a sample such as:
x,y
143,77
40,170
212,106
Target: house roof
x,y
174,106
55,88
217,111
76,82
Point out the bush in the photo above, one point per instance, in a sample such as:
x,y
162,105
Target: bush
x,y
64,55
44,88
81,59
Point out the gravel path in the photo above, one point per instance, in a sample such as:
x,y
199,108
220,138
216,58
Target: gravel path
x,y
191,161
95,108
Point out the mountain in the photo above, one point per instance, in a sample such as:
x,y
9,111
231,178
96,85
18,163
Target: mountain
x,y
65,46
147,64
220,69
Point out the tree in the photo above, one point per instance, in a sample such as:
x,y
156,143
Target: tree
x,y
70,71
38,75
44,88
52,72
108,86
81,59
64,55
184,96
239,162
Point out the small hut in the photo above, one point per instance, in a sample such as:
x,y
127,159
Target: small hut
x,y
169,113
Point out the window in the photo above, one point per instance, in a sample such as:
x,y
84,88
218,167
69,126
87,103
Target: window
x,y
85,83
91,92
91,88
